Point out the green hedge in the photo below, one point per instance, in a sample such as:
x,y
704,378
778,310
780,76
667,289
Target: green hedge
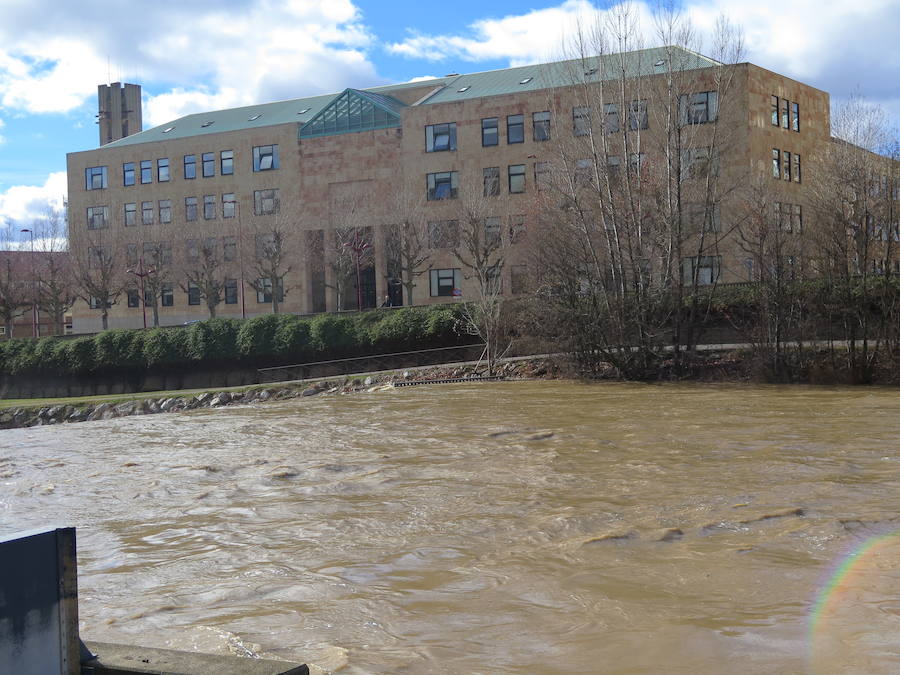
x,y
273,339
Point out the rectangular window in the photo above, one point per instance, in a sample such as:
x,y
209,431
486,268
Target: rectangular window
x,y
491,181
131,254
440,137
228,205
584,171
134,299
581,120
95,178
229,248
776,163
613,164
97,217
516,228
128,173
515,129
149,298
443,234
443,185
699,162
444,282
193,293
489,134
265,202
542,175
540,123
706,268
209,164
190,166
147,213
146,171
774,100
786,165
162,170
231,291
795,116
264,291
636,161
699,108
209,207
265,157
166,295
637,116
796,218
785,113
190,209
796,168
492,231
516,178
97,257
193,250
226,162
165,210
610,117
130,215
96,303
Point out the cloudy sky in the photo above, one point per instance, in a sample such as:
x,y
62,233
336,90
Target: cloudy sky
x,y
209,54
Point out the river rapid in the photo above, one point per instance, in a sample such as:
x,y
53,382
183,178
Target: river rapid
x,y
520,527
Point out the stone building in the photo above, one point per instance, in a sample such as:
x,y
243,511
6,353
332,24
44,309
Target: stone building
x,y
321,180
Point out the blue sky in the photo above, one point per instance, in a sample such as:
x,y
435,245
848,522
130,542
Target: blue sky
x,y
210,54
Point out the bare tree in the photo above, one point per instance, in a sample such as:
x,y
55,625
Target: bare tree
x,y
273,241
406,242
204,274
15,296
55,292
97,265
481,252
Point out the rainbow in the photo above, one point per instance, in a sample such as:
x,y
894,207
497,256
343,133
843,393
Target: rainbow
x,y
850,568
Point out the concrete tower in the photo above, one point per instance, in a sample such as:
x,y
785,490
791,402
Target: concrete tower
x,y
119,113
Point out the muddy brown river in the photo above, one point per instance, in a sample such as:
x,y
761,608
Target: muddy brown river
x,y
526,527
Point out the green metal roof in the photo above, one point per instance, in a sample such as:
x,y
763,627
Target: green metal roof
x,y
566,73
354,110
302,111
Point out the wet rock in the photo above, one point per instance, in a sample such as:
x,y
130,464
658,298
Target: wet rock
x,y
78,415
127,408
192,403
368,381
204,398
407,375
265,395
153,407
311,391
99,411
167,404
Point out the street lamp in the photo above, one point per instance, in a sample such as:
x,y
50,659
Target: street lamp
x,y
141,274
358,247
34,311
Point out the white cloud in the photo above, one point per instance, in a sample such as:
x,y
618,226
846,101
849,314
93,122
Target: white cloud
x,y
22,204
53,55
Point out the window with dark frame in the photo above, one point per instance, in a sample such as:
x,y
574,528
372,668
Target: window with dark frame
x,y
581,120
229,249
167,295
796,168
192,250
795,116
786,165
516,228
440,137
231,291
638,118
442,185
540,123
128,173
162,169
228,205
775,111
146,171
542,175
190,166
193,293
147,213
134,299
699,108
130,215
444,281
489,132
515,129
785,113
95,178
492,231
610,117
131,254
516,178
776,163
209,164
491,176
209,207
226,162
265,157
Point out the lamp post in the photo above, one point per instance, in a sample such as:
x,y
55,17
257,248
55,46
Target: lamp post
x,y
141,274
358,247
34,311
